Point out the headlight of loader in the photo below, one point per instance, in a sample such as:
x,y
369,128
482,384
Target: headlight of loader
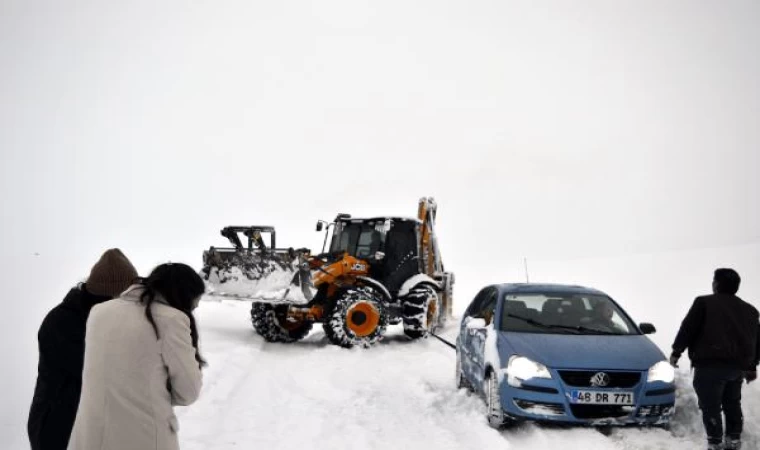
x,y
662,371
521,368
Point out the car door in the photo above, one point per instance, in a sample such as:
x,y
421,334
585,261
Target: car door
x,y
473,338
478,336
464,336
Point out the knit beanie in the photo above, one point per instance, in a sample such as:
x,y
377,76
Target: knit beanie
x,y
111,275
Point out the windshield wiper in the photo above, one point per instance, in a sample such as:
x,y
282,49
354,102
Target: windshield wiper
x,y
594,330
535,322
578,328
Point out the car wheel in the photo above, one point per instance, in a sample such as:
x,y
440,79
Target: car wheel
x,y
494,412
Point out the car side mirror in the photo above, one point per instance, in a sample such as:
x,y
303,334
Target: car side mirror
x,y
475,323
319,226
647,328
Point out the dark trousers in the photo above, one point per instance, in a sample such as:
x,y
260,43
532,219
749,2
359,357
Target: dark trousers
x,y
720,390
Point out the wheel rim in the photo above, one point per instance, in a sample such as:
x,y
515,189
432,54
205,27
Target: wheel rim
x,y
362,318
290,325
287,323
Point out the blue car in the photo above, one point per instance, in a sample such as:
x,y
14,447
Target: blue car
x,y
562,354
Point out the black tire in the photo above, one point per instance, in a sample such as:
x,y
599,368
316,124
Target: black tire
x,y
494,412
356,317
269,321
422,311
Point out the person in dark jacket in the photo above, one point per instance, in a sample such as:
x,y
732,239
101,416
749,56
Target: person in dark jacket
x,y
722,333
61,346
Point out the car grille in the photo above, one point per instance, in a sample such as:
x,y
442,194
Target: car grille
x,y
600,411
545,390
582,378
541,408
656,410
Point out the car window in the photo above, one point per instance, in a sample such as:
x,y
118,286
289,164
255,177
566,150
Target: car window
x,y
477,303
553,312
484,306
489,307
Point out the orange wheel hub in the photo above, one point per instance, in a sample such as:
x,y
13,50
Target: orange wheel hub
x,y
432,312
362,318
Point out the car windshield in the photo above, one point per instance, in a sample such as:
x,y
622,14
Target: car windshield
x,y
569,313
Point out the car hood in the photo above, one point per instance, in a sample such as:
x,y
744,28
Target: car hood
x,y
569,351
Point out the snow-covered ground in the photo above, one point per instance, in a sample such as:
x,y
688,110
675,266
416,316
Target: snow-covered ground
x,y
398,394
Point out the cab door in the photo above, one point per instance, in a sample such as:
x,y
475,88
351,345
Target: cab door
x,y
400,261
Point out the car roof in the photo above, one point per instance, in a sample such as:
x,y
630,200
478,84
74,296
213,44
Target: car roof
x,y
538,288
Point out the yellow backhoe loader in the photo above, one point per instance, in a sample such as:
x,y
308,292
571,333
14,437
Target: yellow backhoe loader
x,y
376,271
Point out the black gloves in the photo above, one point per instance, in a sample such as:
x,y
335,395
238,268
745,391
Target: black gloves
x,y
750,376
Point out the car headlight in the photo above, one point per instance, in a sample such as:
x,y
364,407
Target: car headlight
x,y
662,371
520,368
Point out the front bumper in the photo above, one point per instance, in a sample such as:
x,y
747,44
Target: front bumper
x,y
547,400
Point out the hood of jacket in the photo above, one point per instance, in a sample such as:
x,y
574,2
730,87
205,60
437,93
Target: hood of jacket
x,y
80,301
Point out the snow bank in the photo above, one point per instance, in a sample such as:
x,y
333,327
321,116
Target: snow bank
x,y
398,394
314,395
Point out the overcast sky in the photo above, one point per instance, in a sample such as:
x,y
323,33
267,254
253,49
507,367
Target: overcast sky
x,y
542,128
554,130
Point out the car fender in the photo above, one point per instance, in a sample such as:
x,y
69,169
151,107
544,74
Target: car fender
x,y
491,355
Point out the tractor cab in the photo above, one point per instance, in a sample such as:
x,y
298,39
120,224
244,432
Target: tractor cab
x,y
387,244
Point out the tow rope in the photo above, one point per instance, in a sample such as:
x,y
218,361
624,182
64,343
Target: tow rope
x,y
444,341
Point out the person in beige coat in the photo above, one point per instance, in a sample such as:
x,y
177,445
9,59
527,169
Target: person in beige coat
x,y
141,359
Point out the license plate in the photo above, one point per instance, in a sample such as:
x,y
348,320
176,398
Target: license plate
x,y
602,398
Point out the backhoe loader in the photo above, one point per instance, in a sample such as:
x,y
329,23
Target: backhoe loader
x,y
375,272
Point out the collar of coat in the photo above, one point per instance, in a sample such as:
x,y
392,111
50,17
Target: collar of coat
x,y
134,292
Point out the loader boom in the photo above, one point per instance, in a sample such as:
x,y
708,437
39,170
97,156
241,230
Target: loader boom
x,y
430,253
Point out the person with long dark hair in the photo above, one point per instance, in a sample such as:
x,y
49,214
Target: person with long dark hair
x,y
141,358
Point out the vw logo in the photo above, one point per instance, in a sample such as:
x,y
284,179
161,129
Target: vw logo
x,y
600,379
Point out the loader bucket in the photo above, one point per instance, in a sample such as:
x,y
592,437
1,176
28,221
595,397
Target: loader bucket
x,y
274,276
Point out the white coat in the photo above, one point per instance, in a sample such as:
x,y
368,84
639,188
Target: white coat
x,y
131,380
